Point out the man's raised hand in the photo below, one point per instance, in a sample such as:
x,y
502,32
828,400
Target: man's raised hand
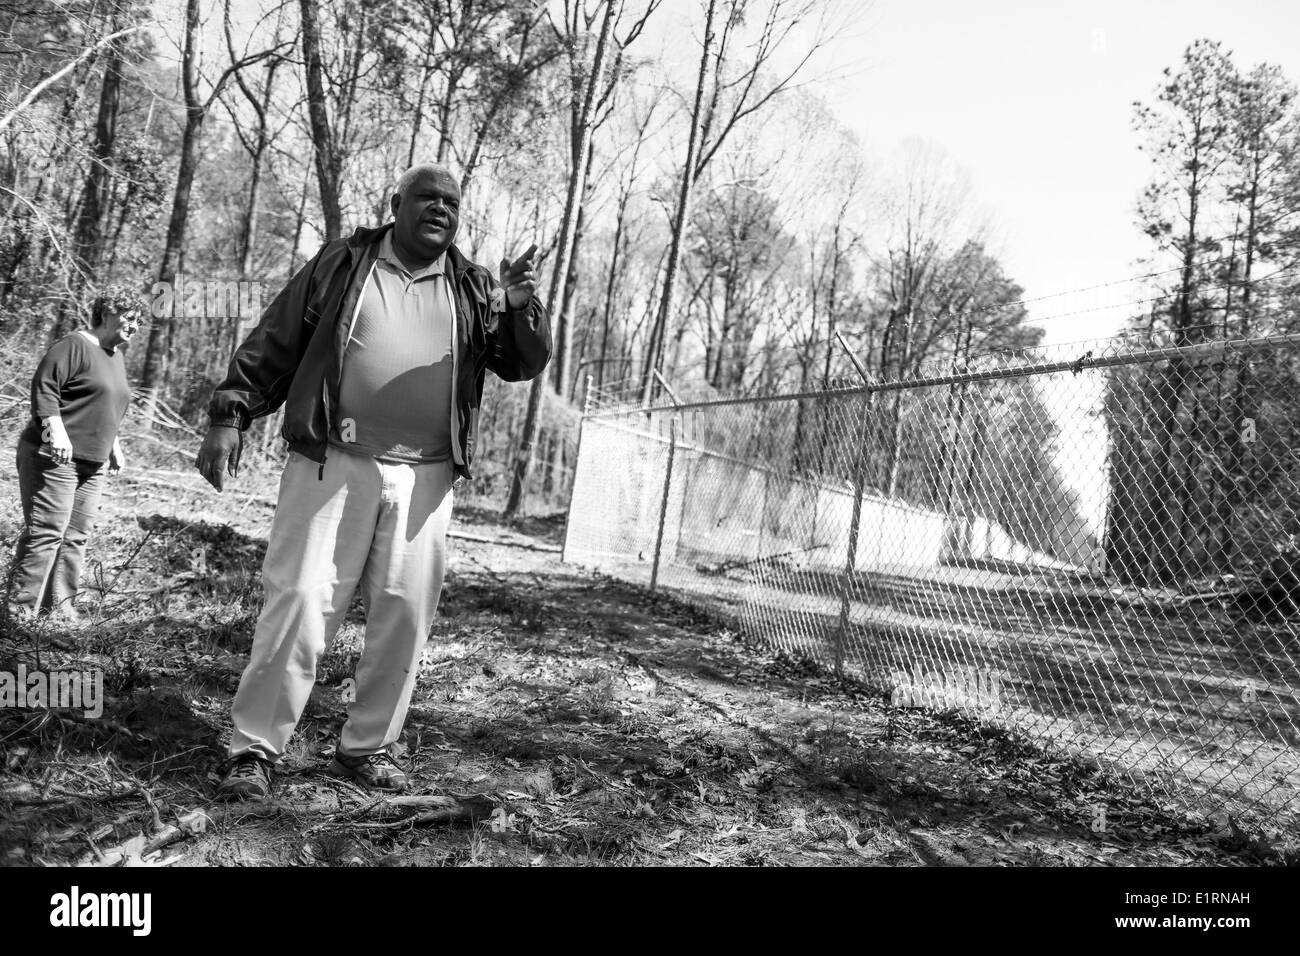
x,y
219,454
518,280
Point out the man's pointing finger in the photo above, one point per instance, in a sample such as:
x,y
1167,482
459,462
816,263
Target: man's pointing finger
x,y
532,250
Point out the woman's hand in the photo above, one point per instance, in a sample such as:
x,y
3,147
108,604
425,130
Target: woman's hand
x,y
116,460
60,444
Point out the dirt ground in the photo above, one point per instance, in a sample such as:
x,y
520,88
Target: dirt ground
x,y
561,718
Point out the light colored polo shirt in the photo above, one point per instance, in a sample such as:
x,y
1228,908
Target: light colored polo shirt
x,y
396,392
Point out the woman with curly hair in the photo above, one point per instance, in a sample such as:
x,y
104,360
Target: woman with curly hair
x,y
79,397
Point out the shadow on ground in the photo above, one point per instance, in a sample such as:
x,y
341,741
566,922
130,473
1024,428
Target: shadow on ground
x,y
560,717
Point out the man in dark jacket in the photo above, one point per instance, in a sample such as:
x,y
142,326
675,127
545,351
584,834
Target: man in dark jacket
x,y
377,349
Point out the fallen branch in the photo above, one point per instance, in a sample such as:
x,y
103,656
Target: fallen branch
x,y
393,811
59,74
26,795
134,850
95,724
194,822
182,578
478,539
929,852
186,453
429,808
725,566
149,480
94,855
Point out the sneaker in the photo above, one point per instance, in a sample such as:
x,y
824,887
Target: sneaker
x,y
247,777
378,771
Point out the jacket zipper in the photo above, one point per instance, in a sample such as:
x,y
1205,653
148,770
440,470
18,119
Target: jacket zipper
x,y
325,404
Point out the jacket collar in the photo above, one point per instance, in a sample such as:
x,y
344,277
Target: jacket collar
x,y
386,251
458,262
364,237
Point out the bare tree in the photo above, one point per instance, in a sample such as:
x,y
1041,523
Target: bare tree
x,y
926,210
255,144
577,172
88,232
328,161
734,81
622,237
593,87
31,95
196,110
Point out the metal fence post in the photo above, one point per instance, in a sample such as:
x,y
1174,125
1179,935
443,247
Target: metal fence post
x,y
855,527
859,482
663,505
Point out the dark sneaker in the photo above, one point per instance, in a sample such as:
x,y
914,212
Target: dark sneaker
x,y
247,777
378,771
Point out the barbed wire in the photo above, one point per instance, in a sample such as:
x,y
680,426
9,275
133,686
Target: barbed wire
x,y
819,342
770,383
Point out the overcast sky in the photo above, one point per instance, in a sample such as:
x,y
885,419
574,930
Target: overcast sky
x,y
1035,100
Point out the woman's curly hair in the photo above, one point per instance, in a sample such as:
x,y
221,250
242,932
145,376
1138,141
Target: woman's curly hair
x,y
117,299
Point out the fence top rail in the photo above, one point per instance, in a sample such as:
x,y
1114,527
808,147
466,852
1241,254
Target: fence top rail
x,y
868,494
1086,361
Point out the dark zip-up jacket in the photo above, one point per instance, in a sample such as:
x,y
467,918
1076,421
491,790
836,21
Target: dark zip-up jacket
x,y
295,355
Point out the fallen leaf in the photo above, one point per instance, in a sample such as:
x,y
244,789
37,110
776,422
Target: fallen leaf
x,y
500,821
674,838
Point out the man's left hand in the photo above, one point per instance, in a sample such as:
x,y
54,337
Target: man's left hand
x,y
518,280
116,461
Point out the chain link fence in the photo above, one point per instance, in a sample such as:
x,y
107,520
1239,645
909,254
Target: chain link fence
x,y
1101,551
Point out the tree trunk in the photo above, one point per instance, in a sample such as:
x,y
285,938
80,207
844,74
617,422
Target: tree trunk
x,y
418,118
564,341
248,233
94,202
1167,491
577,174
327,158
894,448
88,236
823,405
299,221
1235,494
658,332
154,376
1218,487
609,290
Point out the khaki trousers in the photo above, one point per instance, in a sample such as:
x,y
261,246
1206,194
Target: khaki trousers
x,y
366,522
